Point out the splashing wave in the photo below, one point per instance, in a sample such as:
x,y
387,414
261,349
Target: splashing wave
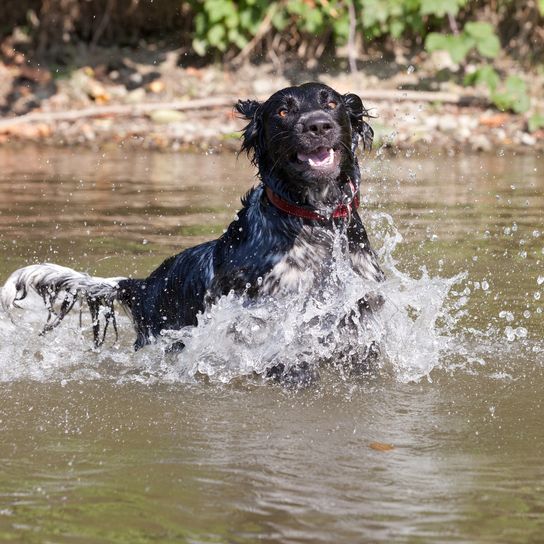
x,y
238,338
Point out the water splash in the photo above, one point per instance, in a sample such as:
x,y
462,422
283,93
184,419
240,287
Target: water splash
x,y
240,338
237,337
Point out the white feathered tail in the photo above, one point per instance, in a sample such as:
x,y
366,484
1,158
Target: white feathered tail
x,y
64,286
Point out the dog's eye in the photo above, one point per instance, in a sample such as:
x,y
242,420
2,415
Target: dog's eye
x,y
332,104
282,112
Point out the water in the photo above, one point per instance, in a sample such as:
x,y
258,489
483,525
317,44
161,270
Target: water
x,y
113,446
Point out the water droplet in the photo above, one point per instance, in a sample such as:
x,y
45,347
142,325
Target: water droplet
x,y
540,280
485,285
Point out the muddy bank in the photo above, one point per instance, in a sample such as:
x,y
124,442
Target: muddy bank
x,y
158,104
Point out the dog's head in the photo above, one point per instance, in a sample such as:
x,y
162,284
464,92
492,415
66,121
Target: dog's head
x,y
306,134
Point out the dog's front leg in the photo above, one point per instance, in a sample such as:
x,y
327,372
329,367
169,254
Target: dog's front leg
x,y
297,376
357,363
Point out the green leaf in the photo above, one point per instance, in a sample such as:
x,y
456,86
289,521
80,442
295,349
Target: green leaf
x,y
216,35
220,9
541,7
457,46
236,38
199,47
514,97
280,21
200,24
341,28
479,30
488,47
486,41
517,88
396,28
313,21
435,42
374,11
535,122
485,75
502,101
439,8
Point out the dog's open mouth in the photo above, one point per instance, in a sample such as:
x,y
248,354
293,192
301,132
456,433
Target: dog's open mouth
x,y
321,158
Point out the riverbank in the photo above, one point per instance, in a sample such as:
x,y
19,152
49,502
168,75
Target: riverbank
x,y
150,101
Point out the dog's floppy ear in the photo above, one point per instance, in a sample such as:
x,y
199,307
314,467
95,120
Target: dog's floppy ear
x,y
252,133
357,112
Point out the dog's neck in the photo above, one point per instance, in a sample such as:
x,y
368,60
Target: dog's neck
x,y
324,197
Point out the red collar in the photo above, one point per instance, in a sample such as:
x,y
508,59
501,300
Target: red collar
x,y
340,212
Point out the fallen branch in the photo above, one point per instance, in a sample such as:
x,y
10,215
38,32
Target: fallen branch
x,y
394,95
121,110
137,110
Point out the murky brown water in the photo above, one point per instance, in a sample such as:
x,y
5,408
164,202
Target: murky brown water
x,y
108,455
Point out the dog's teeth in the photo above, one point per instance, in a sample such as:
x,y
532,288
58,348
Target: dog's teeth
x,y
317,161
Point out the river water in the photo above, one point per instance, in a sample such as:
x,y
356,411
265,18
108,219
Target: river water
x,y
442,442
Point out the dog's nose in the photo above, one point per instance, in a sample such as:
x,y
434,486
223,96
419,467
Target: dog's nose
x,y
317,124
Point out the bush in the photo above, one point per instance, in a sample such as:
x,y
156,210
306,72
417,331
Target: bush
x,y
305,28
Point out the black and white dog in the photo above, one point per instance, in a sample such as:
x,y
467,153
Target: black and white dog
x,y
303,141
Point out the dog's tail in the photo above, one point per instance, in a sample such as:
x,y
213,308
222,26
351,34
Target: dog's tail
x,y
60,288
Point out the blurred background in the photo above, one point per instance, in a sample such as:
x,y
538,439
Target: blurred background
x,y
460,74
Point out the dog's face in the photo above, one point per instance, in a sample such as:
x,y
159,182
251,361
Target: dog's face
x,y
305,134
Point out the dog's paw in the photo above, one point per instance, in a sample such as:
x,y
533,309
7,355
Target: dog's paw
x,y
298,376
361,364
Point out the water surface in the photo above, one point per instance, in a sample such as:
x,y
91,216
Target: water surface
x,y
110,446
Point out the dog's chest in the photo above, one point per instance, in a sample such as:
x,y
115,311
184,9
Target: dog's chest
x,y
310,259
301,264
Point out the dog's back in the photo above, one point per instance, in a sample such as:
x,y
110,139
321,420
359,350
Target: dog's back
x,y
172,296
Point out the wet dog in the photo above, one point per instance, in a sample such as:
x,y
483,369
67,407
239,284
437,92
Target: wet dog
x,y
303,141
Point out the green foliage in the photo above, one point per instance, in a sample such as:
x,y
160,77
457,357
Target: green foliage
x,y
513,96
440,8
457,46
477,36
510,95
484,38
535,122
228,24
223,24
484,75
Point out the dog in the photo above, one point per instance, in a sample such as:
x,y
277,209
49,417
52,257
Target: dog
x,y
302,141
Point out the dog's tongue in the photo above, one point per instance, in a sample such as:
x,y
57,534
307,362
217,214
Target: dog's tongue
x,y
320,157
